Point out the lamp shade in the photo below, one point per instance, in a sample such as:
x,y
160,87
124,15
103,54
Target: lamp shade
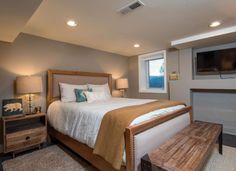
x,y
122,83
29,84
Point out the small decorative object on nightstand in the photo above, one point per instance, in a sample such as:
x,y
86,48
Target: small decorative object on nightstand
x,y
23,132
122,84
29,85
12,107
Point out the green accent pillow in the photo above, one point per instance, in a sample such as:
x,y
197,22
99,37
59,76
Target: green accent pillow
x,y
80,96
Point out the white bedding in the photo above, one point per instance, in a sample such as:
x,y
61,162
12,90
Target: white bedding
x,y
81,121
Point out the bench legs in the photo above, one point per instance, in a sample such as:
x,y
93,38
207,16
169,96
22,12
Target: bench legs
x,y
220,140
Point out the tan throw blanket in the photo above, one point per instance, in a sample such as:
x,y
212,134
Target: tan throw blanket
x,y
110,143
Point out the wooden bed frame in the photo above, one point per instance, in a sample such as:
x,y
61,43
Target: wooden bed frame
x,y
85,151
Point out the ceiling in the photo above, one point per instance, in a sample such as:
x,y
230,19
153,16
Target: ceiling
x,y
153,26
217,37
13,17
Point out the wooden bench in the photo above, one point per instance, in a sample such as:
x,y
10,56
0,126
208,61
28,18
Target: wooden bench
x,y
186,151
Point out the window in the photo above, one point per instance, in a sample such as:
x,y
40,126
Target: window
x,y
152,73
156,73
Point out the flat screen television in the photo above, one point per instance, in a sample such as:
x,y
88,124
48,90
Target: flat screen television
x,y
217,62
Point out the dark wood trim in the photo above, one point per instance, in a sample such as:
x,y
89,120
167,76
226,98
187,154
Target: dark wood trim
x,y
220,141
213,90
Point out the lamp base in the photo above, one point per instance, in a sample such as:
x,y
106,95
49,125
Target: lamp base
x,y
30,104
123,93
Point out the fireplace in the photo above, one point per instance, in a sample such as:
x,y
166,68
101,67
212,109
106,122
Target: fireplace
x,y
217,106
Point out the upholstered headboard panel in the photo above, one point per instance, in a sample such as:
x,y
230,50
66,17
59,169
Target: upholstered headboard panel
x,y
73,77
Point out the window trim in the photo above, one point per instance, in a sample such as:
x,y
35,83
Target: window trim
x,y
143,85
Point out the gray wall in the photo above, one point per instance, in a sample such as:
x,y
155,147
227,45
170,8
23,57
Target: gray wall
x,y
172,65
212,105
31,55
181,89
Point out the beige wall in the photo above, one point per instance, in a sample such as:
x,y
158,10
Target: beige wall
x,y
30,55
172,65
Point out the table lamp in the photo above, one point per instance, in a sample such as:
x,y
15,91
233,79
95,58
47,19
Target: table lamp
x,y
122,84
29,85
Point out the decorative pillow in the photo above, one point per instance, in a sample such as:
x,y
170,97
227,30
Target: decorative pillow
x,y
80,95
68,93
95,96
101,88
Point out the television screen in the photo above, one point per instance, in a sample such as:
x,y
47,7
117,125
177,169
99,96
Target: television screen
x,y
217,62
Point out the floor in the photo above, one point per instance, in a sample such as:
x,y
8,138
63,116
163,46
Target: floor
x,y
4,157
228,140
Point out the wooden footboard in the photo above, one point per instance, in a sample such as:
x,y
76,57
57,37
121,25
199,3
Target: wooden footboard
x,y
87,153
131,131
83,150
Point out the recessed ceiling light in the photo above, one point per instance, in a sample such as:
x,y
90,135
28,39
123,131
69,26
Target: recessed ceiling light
x,y
136,45
215,24
71,23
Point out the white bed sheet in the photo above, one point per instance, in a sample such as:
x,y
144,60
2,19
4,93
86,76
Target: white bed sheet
x,y
81,121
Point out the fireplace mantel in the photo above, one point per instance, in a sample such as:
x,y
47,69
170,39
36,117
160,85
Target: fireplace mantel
x,y
181,89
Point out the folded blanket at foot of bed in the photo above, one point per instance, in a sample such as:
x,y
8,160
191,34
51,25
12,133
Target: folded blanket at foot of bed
x,y
110,141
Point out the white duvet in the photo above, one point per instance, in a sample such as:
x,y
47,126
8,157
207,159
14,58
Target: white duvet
x,y
81,121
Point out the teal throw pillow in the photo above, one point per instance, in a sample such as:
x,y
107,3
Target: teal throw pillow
x,y
80,96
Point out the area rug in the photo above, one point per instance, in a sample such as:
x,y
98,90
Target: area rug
x,y
225,162
52,158
55,159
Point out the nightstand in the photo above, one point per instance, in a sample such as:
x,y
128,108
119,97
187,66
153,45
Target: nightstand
x,y
23,132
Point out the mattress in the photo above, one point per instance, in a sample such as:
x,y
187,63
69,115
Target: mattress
x,y
81,121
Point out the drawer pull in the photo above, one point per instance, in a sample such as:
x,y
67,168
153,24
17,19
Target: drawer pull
x,y
27,138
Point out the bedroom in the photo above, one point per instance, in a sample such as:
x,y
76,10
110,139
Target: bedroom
x,y
132,51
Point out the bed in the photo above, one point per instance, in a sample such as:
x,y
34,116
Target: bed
x,y
70,123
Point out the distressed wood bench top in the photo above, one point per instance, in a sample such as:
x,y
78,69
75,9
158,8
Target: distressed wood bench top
x,y
189,149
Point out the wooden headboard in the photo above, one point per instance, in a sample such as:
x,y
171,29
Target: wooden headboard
x,y
73,77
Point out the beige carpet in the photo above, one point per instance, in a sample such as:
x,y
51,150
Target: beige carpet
x,y
52,158
225,162
55,159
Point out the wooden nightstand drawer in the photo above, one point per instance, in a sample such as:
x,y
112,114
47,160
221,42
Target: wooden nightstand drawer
x,y
23,132
26,138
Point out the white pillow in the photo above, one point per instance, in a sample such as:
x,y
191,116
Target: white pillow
x,y
68,91
101,88
95,96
